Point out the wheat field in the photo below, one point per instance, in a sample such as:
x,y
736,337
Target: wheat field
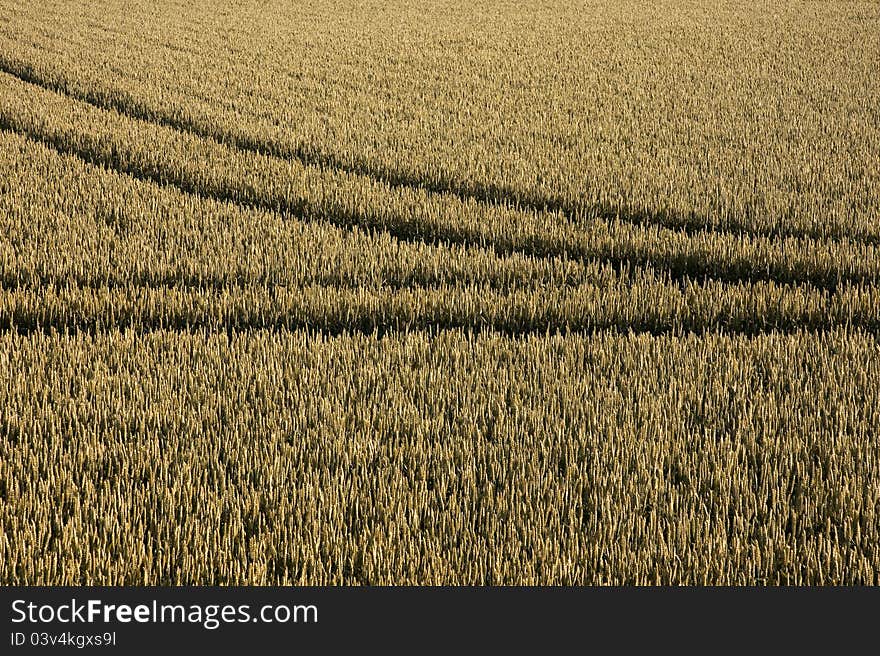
x,y
439,292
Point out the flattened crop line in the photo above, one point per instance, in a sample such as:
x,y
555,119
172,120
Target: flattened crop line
x,y
481,192
398,281
23,323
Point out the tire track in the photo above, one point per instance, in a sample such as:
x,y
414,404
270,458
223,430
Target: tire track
x,y
337,309
382,327
378,326
184,280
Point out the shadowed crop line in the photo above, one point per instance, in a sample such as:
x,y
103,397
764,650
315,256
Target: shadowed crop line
x,y
186,281
507,312
382,326
481,192
679,270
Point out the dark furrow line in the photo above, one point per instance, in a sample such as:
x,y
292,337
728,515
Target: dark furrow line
x,y
683,269
384,326
481,192
13,281
383,308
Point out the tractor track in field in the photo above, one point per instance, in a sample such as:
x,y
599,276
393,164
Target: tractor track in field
x,y
334,309
381,328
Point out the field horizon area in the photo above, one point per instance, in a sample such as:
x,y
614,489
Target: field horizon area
x,y
439,293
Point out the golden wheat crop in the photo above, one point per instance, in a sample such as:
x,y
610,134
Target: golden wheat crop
x,y
439,293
